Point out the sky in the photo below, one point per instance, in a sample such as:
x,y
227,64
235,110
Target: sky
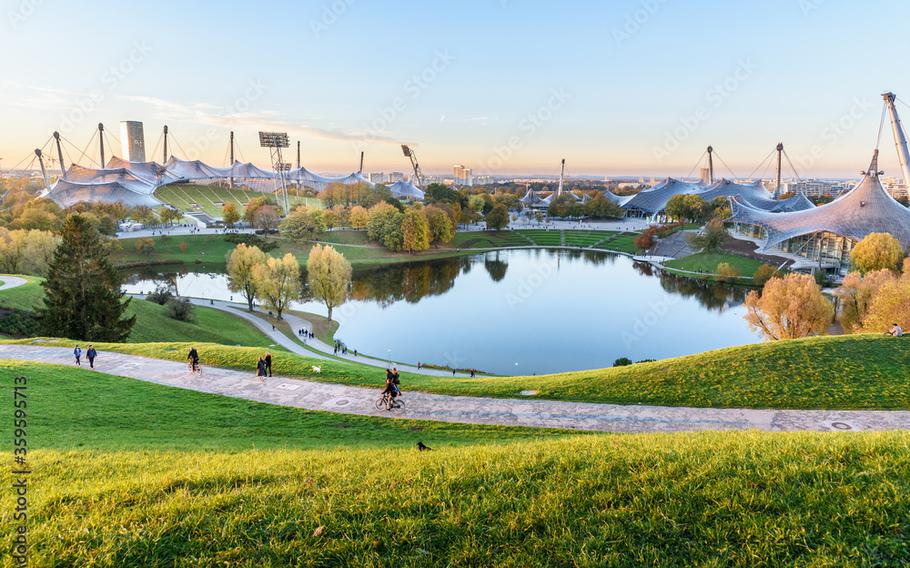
x,y
622,87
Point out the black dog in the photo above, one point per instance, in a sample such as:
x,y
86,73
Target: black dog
x,y
423,447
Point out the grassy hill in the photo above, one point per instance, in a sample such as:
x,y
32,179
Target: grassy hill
x,y
135,474
153,322
841,372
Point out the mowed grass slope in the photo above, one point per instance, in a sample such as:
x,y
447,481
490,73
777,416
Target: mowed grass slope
x,y
710,499
842,372
74,408
153,322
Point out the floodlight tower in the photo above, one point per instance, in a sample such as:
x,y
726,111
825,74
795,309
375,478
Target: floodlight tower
x,y
232,159
275,141
60,154
409,153
360,170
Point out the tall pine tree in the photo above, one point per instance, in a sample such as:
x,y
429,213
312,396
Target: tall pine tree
x,y
82,290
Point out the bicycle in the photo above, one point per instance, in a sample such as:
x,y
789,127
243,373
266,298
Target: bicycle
x,y
192,371
386,402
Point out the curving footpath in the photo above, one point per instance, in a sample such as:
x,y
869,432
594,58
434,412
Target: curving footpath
x,y
473,410
11,282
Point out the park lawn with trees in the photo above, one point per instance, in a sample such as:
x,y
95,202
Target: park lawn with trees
x,y
864,371
706,263
153,322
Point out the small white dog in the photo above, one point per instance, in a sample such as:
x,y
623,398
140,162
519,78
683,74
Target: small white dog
x,y
316,369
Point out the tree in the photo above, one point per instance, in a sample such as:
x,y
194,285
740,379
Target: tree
x,y
303,224
711,238
229,214
789,307
726,272
890,305
602,208
645,240
278,282
253,205
168,215
857,293
27,251
763,273
41,214
266,218
328,276
82,295
145,246
875,252
439,193
359,217
686,207
384,226
498,218
243,260
442,230
415,230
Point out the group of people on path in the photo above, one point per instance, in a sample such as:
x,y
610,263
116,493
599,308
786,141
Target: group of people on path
x,y
392,383
340,347
264,367
90,354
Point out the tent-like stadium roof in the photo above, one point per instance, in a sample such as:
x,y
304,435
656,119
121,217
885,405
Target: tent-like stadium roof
x,y
617,199
654,199
867,208
753,195
405,189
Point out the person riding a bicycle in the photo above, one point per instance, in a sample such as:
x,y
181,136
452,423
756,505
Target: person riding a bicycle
x,y
193,358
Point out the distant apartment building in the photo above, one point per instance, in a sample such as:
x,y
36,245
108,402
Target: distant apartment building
x,y
377,177
816,187
396,177
896,187
463,175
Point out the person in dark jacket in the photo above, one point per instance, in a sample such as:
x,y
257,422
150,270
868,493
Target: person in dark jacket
x,y
260,370
268,362
91,354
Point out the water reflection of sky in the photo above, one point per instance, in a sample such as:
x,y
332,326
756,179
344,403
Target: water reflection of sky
x,y
527,312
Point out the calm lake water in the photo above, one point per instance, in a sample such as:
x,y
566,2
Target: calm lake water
x,y
519,312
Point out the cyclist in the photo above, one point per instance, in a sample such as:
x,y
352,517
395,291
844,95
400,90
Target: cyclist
x,y
193,358
395,382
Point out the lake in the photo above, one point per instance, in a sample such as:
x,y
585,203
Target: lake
x,y
518,312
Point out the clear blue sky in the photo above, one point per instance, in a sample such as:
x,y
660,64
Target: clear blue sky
x,y
622,87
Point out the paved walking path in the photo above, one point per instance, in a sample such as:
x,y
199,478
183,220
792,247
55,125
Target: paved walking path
x,y
319,349
11,282
473,410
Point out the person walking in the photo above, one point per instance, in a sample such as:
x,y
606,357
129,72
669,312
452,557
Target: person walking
x,y
193,358
260,370
268,362
90,355
77,353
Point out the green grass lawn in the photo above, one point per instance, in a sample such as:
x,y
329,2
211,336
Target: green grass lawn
x,y
211,199
707,263
711,499
841,372
153,322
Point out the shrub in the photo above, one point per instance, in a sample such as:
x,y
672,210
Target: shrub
x,y
19,323
645,240
160,296
181,309
182,246
622,362
249,240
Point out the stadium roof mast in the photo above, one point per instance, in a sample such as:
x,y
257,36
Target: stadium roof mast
x,y
360,170
900,140
60,154
164,160
780,151
231,182
47,185
408,153
101,140
275,141
710,164
562,175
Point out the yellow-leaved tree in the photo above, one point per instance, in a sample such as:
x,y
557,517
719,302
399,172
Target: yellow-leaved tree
x,y
359,217
243,260
278,282
328,276
789,307
415,230
877,251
